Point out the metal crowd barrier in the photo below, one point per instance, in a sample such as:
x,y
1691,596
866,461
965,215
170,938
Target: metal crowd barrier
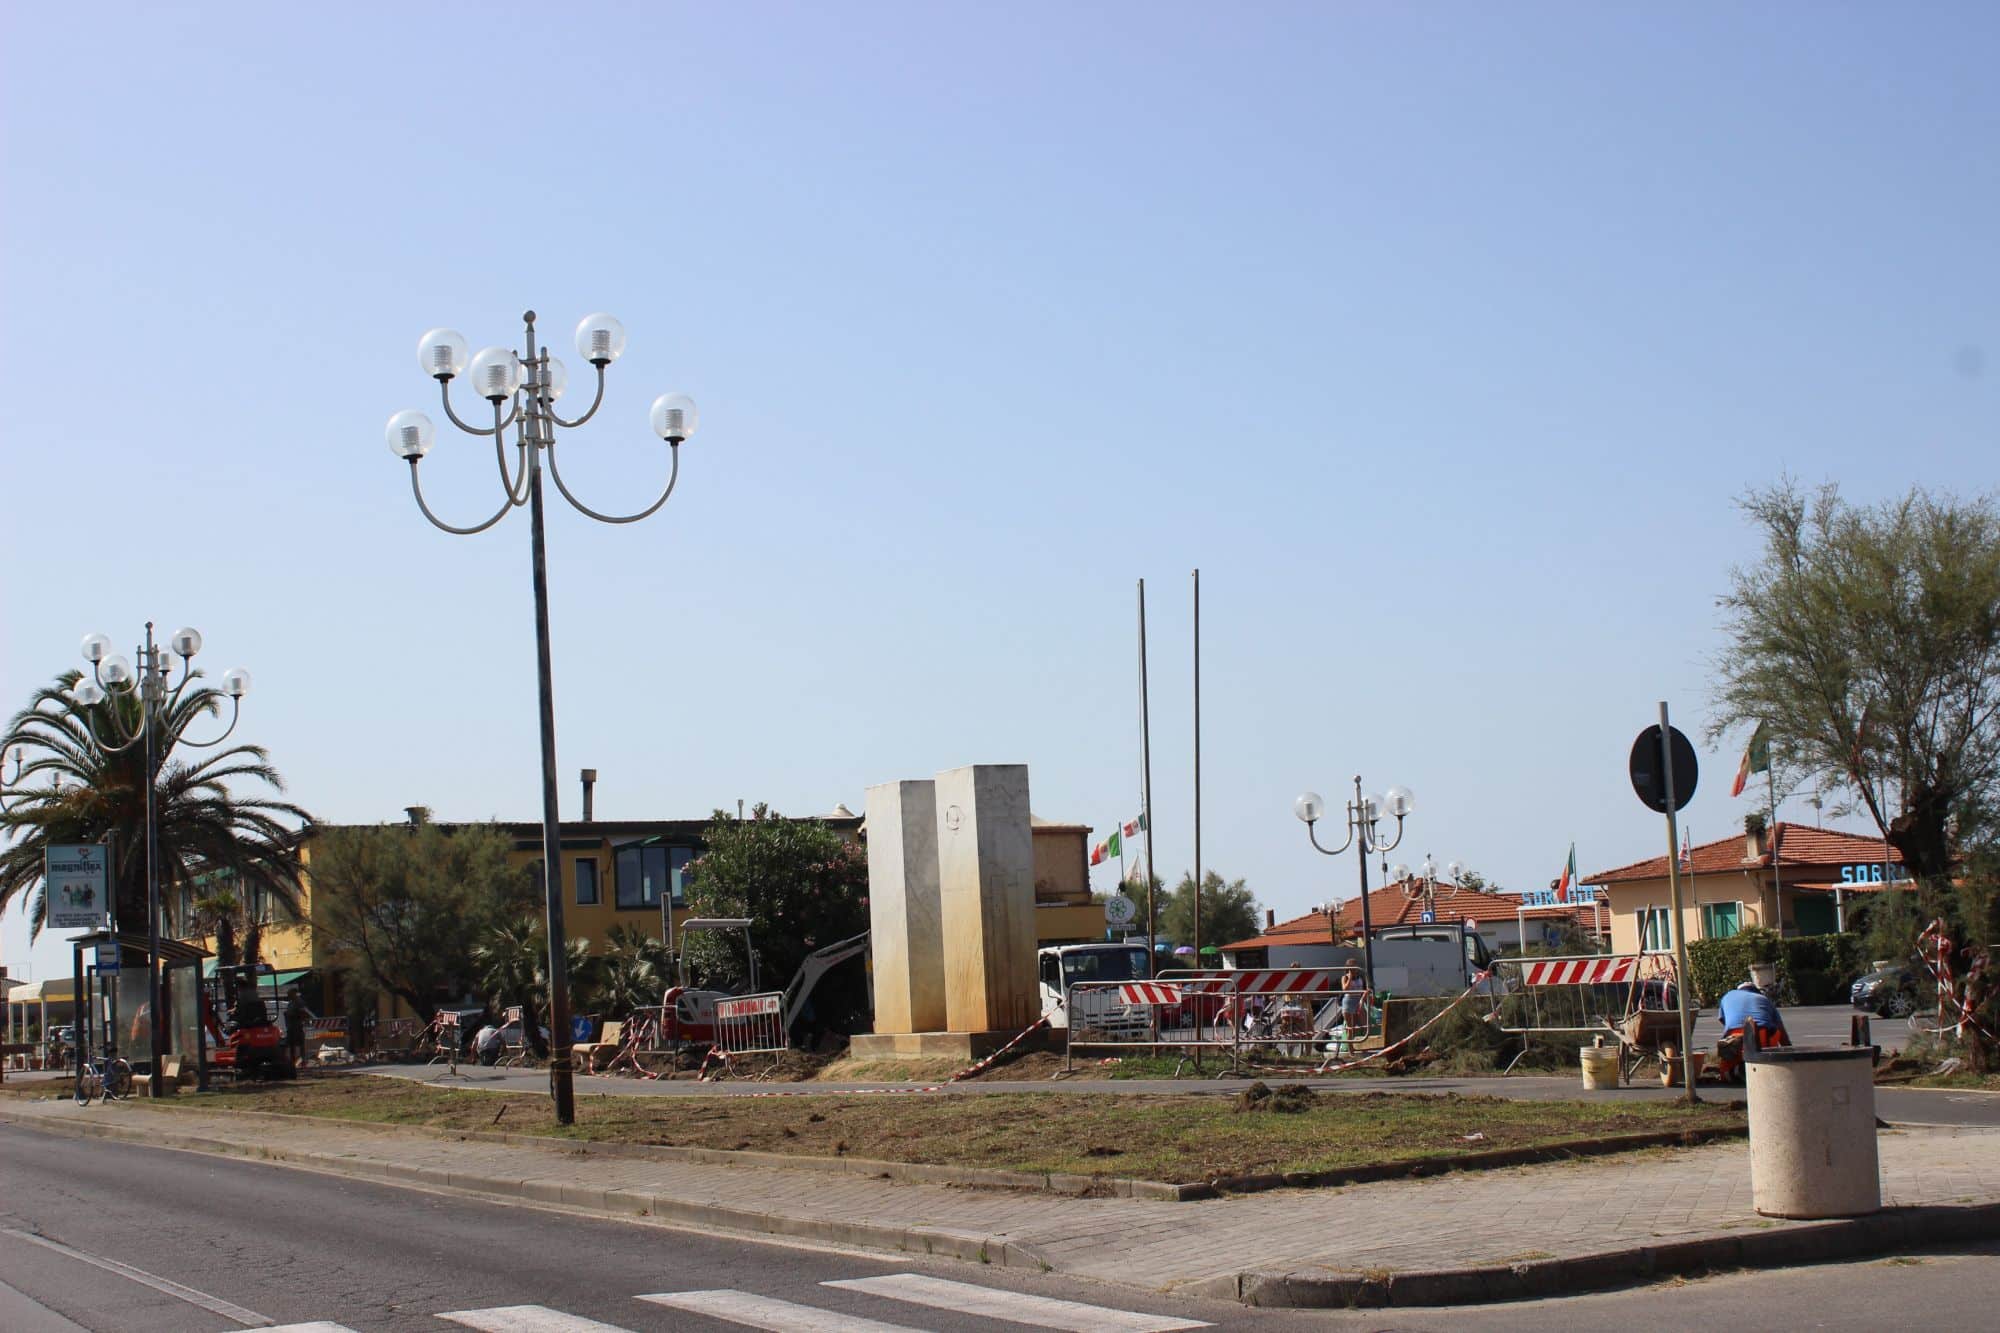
x,y
1582,993
1284,1012
751,1024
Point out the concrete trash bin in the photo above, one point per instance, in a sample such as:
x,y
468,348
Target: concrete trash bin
x,y
1812,1132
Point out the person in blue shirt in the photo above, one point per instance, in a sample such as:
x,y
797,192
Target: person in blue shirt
x,y
1747,1004
1744,1005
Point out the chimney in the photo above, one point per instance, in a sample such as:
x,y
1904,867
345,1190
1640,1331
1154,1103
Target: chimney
x,y
1270,918
417,814
589,785
1754,845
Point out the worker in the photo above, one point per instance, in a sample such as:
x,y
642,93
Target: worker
x,y
1745,1006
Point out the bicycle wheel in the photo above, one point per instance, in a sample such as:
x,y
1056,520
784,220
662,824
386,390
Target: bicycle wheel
x,y
117,1080
1924,1024
87,1086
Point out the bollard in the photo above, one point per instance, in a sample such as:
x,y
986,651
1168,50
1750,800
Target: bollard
x,y
1812,1132
1858,1029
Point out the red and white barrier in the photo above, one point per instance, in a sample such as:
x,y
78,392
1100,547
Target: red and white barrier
x,y
1579,971
1149,992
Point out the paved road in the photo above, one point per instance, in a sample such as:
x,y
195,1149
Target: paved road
x,y
104,1236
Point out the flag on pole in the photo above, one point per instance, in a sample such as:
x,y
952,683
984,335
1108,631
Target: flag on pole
x,y
1567,881
1098,854
1687,854
1756,759
1135,827
1115,845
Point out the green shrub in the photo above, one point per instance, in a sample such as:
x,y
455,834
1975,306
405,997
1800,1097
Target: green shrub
x,y
1812,969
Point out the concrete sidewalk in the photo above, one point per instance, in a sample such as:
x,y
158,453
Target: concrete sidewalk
x,y
1456,1238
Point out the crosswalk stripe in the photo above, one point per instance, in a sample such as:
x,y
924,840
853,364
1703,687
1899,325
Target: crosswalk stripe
x,y
317,1326
770,1313
1018,1307
527,1319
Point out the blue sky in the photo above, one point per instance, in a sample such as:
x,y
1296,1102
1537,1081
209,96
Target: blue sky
x,y
1441,338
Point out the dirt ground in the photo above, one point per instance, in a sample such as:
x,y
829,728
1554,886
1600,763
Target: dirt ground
x,y
1155,1137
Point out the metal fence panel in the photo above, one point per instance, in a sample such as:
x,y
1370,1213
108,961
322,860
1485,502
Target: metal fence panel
x,y
751,1024
1581,993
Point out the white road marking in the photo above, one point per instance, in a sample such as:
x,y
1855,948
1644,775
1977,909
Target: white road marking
x,y
770,1313
166,1286
1018,1307
527,1319
316,1326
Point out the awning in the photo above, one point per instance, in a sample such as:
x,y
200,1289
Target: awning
x,y
279,979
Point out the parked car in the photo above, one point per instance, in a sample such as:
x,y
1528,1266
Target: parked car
x,y
1887,992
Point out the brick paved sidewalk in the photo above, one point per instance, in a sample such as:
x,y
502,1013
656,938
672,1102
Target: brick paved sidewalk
x,y
1471,1220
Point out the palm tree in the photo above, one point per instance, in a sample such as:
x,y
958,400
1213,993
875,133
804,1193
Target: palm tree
x,y
632,973
512,964
92,790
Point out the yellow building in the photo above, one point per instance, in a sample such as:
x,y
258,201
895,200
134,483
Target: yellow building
x,y
1795,879
619,872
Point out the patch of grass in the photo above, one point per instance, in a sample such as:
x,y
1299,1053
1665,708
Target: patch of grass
x,y
1179,1138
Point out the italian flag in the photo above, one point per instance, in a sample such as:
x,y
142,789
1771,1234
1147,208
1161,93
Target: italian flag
x,y
1756,759
1567,881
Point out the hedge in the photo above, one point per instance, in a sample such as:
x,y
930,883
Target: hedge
x,y
1812,969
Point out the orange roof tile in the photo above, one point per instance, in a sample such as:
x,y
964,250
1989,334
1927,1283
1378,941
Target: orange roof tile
x,y
1392,907
1798,845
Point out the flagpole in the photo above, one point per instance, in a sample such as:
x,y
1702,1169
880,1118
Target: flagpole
x,y
1197,768
1777,871
1146,789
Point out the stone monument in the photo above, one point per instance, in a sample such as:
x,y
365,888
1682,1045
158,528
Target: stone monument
x,y
986,888
905,931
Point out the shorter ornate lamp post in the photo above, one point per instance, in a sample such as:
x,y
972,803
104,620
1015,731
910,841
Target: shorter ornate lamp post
x,y
151,683
1364,833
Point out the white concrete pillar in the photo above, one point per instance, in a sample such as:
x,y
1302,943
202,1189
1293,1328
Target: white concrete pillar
x,y
1812,1132
906,931
986,883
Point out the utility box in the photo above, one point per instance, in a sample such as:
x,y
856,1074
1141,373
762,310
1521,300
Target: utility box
x,y
1812,1132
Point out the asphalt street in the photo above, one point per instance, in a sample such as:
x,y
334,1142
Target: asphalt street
x,y
103,1236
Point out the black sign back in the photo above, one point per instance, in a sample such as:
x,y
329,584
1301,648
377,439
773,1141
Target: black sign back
x,y
1649,778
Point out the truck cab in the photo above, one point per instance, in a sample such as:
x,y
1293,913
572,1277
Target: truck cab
x,y
1061,966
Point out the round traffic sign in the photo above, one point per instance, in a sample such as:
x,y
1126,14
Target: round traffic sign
x,y
1119,910
1648,765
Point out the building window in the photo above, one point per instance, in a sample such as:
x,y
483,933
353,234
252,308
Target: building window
x,y
1721,920
586,882
1656,930
644,873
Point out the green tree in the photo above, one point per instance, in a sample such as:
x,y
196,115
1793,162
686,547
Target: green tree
x,y
408,904
78,790
801,885
1867,640
1229,911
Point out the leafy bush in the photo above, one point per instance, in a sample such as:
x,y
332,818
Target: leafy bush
x,y
1812,969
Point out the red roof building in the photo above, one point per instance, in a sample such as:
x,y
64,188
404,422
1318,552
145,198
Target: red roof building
x,y
1796,880
1499,918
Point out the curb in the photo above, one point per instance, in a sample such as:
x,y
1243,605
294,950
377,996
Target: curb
x,y
1890,1230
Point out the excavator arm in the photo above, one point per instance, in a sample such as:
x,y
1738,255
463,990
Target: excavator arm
x,y
813,968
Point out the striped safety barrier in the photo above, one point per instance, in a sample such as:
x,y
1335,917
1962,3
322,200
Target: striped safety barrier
x,y
1149,992
1579,971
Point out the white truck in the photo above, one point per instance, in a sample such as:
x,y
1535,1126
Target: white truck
x,y
1099,1009
1427,961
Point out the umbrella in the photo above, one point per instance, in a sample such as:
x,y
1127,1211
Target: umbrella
x,y
1210,948
1184,949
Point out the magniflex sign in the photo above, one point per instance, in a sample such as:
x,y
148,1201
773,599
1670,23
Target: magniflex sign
x,y
79,887
1872,874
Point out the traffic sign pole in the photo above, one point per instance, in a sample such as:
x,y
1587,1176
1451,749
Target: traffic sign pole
x,y
1674,803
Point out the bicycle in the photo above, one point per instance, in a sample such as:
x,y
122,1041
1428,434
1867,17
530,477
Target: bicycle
x,y
113,1083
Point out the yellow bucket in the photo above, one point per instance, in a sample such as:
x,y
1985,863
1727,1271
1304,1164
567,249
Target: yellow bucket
x,y
1600,1067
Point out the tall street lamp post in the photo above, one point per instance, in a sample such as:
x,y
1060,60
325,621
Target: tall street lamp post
x,y
1364,834
523,389
160,720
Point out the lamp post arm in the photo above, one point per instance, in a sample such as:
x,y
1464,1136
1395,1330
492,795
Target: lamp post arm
x,y
416,488
235,712
517,492
1312,832
444,387
672,479
595,403
109,747
1394,842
